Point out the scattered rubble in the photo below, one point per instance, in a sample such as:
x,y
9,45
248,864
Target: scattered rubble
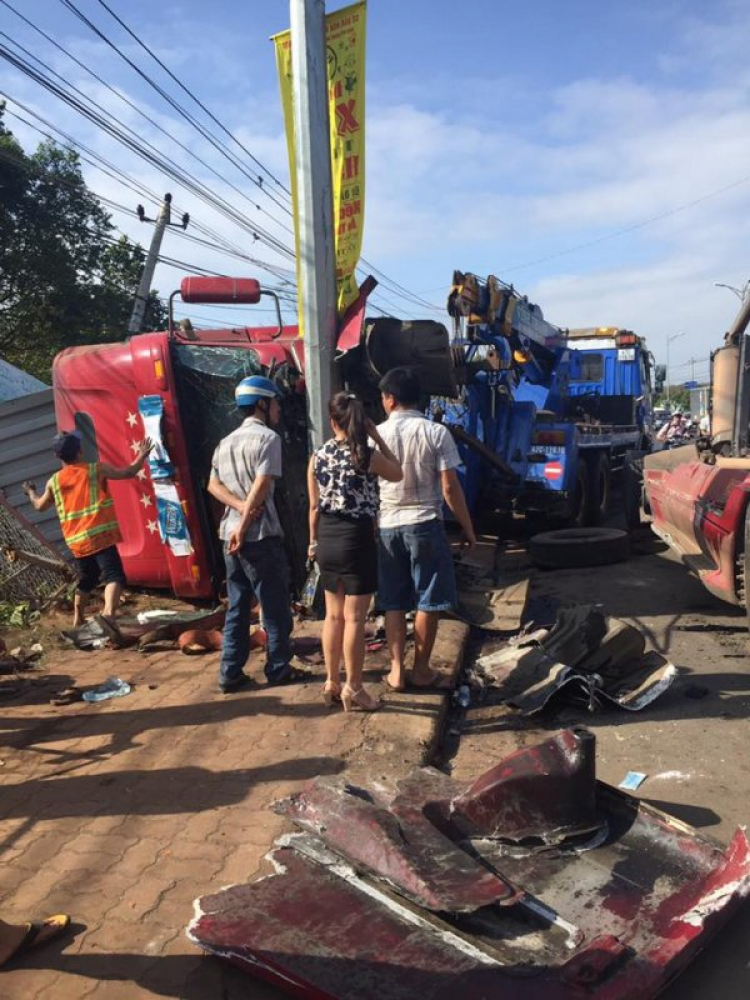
x,y
165,627
587,657
19,658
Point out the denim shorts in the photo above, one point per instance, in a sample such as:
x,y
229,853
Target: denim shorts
x,y
416,568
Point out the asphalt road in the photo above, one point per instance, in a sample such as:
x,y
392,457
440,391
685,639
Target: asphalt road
x,y
694,750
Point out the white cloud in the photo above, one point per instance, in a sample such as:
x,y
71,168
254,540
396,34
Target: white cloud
x,y
503,174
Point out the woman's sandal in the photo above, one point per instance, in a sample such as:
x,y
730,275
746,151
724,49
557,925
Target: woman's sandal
x,y
398,688
359,700
331,693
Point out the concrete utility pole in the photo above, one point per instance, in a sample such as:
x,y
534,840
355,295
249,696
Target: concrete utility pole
x,y
669,341
147,277
741,293
317,265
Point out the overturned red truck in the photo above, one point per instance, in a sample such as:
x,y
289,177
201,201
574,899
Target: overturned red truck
x,y
177,386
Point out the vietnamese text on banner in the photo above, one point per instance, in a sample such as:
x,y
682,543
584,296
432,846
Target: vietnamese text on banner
x,y
345,64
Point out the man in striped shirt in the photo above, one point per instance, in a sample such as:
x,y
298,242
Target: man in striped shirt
x,y
244,470
415,560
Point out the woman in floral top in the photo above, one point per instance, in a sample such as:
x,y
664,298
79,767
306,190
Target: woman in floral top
x,y
342,482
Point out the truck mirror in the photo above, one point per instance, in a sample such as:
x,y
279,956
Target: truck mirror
x,y
217,290
231,291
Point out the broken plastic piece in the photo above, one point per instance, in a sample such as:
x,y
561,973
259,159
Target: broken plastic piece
x,y
144,617
547,792
632,780
463,696
113,687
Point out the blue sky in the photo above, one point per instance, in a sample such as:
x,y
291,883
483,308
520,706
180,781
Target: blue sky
x,y
594,154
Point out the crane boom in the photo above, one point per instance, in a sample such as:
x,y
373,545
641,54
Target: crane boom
x,y
474,302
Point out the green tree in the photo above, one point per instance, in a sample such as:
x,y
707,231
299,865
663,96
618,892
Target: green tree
x,y
64,279
679,397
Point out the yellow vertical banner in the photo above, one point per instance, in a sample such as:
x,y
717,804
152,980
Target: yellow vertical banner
x,y
345,70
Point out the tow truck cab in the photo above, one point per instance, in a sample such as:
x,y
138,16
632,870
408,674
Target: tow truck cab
x,y
611,374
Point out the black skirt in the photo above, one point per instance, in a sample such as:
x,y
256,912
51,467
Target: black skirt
x,y
347,554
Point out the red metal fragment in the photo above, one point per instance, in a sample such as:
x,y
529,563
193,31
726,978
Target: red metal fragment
x,y
420,862
547,792
357,910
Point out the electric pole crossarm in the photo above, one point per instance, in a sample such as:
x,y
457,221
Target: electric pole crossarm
x,y
163,220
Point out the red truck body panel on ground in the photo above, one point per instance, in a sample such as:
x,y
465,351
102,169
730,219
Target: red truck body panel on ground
x,y
533,882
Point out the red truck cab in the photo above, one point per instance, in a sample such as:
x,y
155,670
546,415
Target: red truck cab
x,y
97,391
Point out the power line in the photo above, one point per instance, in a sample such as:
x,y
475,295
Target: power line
x,y
136,147
192,96
130,104
277,272
395,286
181,265
630,229
113,172
171,101
187,267
165,165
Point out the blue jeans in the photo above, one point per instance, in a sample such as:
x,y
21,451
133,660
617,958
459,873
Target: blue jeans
x,y
259,569
415,567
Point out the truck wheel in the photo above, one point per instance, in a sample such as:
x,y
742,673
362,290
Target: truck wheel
x,y
600,488
572,548
580,500
632,489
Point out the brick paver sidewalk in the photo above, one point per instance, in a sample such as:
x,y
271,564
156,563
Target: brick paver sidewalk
x,y
122,813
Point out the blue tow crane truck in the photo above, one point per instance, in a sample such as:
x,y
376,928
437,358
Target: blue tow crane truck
x,y
543,416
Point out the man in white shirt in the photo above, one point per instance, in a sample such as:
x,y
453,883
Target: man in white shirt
x,y
415,561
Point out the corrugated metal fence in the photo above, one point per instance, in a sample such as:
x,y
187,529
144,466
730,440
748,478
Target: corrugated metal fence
x,y
27,426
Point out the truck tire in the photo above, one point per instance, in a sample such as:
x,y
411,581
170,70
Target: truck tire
x,y
600,488
580,501
632,489
572,548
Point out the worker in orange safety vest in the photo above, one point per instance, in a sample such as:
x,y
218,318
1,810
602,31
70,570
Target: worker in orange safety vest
x,y
88,520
